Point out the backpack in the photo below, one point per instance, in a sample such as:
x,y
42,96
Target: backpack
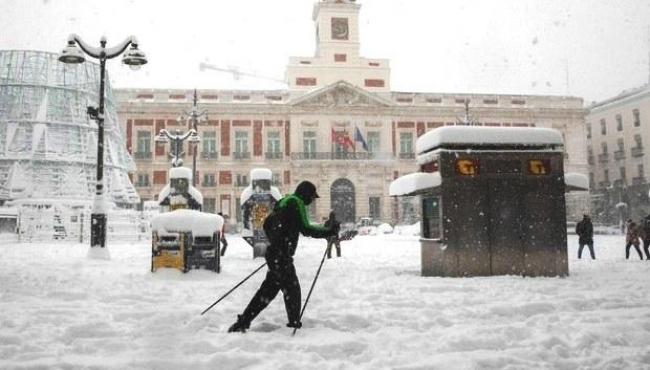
x,y
273,223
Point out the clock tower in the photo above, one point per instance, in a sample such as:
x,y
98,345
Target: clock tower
x,y
337,28
337,53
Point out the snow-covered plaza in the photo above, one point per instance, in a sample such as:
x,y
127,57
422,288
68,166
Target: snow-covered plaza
x,y
370,309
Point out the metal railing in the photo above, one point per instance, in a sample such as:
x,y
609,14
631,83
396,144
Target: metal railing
x,y
273,155
319,156
209,155
241,155
209,184
619,155
637,152
409,155
142,155
638,180
603,157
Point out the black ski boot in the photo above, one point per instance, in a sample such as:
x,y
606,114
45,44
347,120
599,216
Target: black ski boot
x,y
294,324
238,326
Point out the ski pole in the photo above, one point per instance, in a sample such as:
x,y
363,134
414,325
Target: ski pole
x,y
235,287
310,290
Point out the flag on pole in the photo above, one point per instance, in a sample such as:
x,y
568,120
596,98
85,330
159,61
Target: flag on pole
x,y
342,139
358,137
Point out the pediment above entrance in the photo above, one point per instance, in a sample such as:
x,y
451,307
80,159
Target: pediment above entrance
x,y
340,94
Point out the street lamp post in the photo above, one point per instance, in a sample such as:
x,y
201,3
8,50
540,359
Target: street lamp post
x,y
195,117
73,53
177,139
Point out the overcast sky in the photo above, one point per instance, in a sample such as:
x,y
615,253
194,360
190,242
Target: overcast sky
x,y
593,49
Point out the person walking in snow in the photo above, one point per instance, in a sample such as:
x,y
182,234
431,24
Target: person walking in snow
x,y
645,235
334,239
223,241
632,239
585,231
282,227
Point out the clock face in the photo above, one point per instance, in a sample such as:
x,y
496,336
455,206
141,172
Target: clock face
x,y
340,29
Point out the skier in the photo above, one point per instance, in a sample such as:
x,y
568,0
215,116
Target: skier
x,y
585,231
223,240
282,226
334,239
632,238
646,236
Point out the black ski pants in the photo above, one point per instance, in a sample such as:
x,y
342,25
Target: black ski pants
x,y
333,243
281,275
627,250
589,244
646,248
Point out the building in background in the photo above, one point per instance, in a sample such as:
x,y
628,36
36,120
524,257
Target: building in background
x,y
48,144
338,124
616,131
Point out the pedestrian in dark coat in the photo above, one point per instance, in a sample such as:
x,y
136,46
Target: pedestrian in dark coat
x,y
585,231
632,239
282,227
645,234
223,241
334,239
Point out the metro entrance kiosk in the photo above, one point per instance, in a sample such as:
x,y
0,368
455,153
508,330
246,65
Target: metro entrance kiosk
x,y
492,201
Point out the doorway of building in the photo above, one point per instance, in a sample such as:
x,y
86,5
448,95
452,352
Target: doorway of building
x,y
343,200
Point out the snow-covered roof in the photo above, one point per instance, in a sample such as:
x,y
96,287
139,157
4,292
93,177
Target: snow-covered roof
x,y
8,211
261,174
487,136
180,173
414,183
576,181
185,220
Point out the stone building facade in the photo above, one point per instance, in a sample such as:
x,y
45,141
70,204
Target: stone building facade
x,y
617,130
338,124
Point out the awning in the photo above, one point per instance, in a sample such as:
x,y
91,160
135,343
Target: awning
x,y
414,184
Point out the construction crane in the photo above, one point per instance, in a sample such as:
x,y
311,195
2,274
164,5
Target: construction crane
x,y
237,73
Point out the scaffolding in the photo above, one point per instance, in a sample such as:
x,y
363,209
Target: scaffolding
x,y
48,144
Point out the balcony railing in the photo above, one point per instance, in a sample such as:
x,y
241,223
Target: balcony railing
x,y
591,160
604,184
320,156
618,183
142,155
638,180
273,155
410,155
619,155
241,155
637,152
603,157
209,184
142,184
209,155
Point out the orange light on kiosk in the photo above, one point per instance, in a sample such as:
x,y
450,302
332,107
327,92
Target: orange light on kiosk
x,y
467,167
539,167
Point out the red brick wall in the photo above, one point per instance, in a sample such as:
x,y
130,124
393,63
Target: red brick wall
x,y
420,129
287,177
225,178
306,81
160,149
287,137
160,177
375,82
340,57
225,138
393,133
129,136
405,124
257,138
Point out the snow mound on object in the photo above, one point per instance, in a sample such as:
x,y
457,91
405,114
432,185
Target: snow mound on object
x,y
99,253
576,181
413,183
261,174
412,230
384,229
458,135
180,173
184,220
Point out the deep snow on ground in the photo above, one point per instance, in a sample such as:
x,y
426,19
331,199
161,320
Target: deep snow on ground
x,y
370,310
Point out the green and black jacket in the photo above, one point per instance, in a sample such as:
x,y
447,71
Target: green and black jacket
x,y
285,223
